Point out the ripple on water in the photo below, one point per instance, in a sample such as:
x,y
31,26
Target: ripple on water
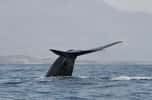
x,y
98,82
75,98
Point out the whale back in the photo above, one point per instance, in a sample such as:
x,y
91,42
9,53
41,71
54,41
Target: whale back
x,y
63,66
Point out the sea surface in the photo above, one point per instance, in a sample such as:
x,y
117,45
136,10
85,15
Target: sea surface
x,y
89,82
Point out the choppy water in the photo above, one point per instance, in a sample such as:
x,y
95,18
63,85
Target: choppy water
x,y
89,82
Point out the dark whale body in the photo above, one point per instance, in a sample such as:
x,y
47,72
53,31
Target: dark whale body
x,y
64,64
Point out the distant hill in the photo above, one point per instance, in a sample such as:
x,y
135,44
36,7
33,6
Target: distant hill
x,y
22,59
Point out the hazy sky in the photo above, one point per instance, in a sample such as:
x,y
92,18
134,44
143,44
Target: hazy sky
x,y
31,27
143,6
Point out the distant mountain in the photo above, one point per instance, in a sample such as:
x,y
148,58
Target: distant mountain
x,y
22,59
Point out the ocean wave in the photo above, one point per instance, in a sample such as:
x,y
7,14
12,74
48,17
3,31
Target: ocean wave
x,y
116,78
131,78
83,77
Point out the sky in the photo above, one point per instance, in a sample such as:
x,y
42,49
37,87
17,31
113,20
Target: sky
x,y
31,27
143,6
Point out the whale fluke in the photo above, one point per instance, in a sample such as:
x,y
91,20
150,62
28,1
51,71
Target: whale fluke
x,y
82,52
64,64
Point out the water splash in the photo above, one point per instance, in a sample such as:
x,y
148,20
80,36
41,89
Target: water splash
x,y
131,78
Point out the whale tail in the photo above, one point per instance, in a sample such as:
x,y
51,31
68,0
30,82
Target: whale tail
x,y
76,53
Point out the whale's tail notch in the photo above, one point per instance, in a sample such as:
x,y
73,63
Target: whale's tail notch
x,y
82,52
60,53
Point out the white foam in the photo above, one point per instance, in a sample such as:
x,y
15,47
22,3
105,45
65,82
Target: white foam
x,y
83,77
131,78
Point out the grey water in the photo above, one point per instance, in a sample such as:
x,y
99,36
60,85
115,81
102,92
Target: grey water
x,y
89,82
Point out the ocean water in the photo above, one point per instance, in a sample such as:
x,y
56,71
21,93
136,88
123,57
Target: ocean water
x,y
89,82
